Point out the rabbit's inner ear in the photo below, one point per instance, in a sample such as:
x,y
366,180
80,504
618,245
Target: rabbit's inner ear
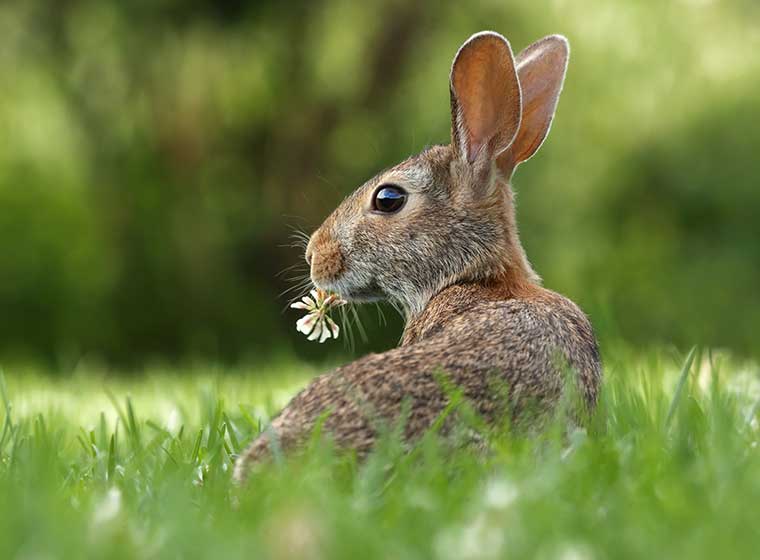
x,y
541,69
485,98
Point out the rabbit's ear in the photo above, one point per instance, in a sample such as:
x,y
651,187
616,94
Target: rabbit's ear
x,y
485,98
541,69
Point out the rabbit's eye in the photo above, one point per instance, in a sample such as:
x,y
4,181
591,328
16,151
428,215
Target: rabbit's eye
x,y
389,199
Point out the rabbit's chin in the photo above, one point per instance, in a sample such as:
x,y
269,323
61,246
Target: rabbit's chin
x,y
355,292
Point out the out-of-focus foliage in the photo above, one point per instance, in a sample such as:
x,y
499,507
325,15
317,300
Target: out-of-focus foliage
x,y
153,156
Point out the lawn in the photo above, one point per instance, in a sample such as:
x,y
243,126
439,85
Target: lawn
x,y
94,465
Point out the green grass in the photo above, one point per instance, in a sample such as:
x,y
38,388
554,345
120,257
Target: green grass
x,y
94,466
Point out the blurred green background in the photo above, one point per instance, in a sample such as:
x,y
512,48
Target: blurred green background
x,y
155,154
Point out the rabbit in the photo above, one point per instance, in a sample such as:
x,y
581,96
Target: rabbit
x,y
436,235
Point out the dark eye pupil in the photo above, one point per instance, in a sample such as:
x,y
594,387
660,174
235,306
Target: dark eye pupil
x,y
389,199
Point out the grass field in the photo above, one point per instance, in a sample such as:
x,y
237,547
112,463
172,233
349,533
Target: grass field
x,y
93,466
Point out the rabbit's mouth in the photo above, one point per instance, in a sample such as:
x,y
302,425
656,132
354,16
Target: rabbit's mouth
x,y
364,295
353,291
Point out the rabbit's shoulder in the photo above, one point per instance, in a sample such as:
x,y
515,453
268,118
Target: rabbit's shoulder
x,y
472,311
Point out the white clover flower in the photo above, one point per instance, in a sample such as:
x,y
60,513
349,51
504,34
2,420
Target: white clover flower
x,y
317,324
500,493
574,551
480,539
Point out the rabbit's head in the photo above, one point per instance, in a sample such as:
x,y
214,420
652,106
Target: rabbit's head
x,y
446,215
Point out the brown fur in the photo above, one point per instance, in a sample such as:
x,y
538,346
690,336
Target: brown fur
x,y
451,258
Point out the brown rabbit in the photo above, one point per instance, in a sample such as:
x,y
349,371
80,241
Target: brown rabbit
x,y
436,235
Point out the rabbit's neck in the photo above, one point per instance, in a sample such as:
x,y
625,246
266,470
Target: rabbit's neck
x,y
518,266
510,276
459,298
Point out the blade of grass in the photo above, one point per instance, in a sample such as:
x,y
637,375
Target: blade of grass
x,y
169,455
222,432
18,444
102,432
216,420
4,394
7,422
679,386
111,464
88,445
4,434
197,446
40,429
116,406
134,429
248,417
231,432
153,426
753,411
87,450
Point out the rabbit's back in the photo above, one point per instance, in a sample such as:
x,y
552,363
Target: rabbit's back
x,y
529,338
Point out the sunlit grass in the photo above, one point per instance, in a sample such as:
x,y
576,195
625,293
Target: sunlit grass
x,y
669,467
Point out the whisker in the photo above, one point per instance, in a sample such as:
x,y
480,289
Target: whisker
x,y
362,332
294,275
297,297
297,233
299,237
397,307
298,282
332,185
349,340
299,276
299,244
297,287
301,279
381,315
291,267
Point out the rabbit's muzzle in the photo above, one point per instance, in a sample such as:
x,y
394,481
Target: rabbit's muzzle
x,y
325,258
